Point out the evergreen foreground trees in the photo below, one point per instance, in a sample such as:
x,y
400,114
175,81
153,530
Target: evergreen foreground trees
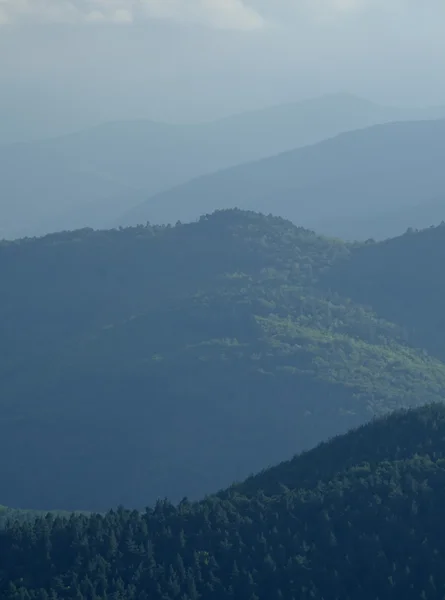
x,y
323,526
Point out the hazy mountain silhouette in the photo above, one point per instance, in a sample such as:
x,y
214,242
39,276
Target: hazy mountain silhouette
x,y
93,177
343,186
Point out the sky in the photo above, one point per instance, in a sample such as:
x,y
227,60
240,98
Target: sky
x,y
66,64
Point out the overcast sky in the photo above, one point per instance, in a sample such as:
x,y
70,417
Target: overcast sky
x,y
69,63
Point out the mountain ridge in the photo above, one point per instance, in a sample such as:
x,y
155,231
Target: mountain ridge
x,y
143,158
312,185
218,334
363,529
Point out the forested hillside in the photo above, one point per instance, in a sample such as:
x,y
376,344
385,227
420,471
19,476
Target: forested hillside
x,y
170,361
403,280
357,518
14,515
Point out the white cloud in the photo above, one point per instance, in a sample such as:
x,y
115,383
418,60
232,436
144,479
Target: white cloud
x,y
4,19
48,10
224,14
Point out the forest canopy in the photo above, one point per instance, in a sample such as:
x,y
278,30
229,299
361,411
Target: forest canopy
x,y
358,517
177,360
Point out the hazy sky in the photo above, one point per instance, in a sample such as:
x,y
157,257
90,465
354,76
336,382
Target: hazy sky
x,y
68,63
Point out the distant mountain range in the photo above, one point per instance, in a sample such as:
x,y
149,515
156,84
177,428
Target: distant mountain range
x,y
369,183
175,360
93,178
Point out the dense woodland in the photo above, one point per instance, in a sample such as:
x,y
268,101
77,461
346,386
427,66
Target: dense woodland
x,y
157,362
403,280
360,517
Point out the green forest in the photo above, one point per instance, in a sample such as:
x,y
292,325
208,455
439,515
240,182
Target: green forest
x,y
222,268
152,362
357,517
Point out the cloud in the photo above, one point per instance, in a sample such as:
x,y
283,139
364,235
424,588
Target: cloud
x,y
222,14
45,10
4,19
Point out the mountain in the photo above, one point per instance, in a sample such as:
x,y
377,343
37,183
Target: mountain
x,y
91,178
390,222
358,517
401,279
39,188
13,515
175,360
343,187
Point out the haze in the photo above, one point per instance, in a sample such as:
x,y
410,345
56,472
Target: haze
x,y
66,65
222,245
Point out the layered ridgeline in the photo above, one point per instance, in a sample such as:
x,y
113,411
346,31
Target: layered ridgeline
x,y
370,183
93,177
357,518
172,361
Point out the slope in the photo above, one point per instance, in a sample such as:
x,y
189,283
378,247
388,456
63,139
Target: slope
x,y
176,360
389,221
336,187
363,530
116,166
402,279
38,188
14,515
